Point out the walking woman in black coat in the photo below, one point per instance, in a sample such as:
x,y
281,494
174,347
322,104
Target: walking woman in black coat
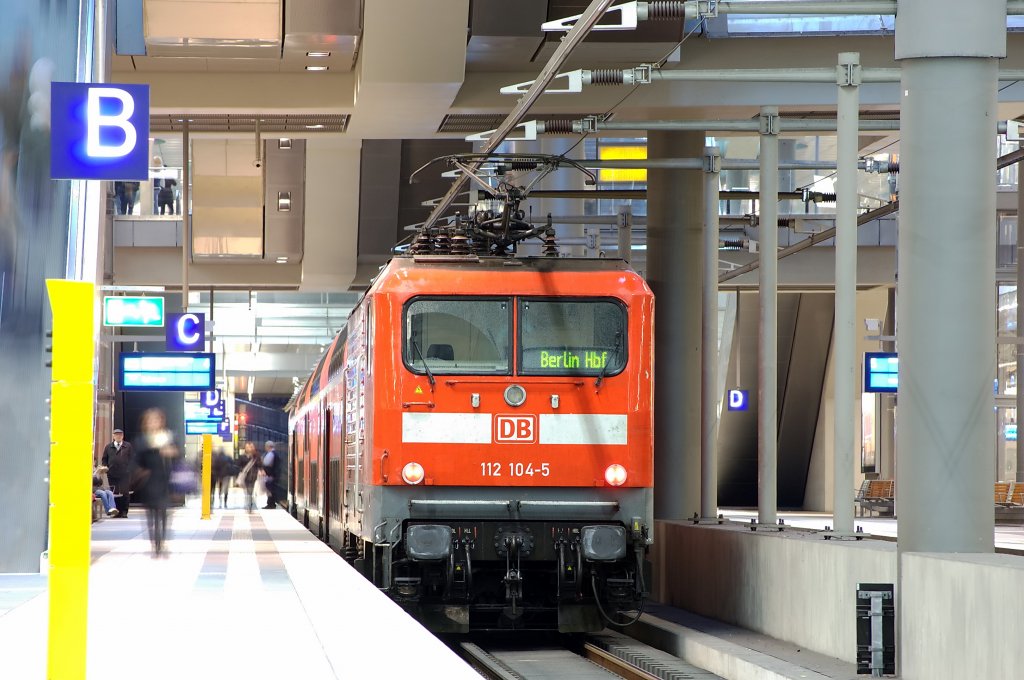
x,y
155,454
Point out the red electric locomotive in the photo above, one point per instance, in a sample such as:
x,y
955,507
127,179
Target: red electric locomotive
x,y
478,440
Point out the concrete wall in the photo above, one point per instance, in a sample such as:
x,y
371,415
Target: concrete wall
x,y
961,616
794,586
818,495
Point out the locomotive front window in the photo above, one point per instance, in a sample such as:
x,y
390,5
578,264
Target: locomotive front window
x,y
457,336
572,337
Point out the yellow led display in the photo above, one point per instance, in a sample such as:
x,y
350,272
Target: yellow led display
x,y
616,153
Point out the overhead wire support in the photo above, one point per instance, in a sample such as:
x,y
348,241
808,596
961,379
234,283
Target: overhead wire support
x,y
574,37
631,13
1004,161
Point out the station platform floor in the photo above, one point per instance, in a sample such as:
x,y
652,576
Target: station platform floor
x,y
1008,537
256,593
239,595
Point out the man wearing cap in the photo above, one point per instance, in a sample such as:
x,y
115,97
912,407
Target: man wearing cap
x,y
118,457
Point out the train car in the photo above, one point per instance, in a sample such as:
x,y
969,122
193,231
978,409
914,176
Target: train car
x,y
478,440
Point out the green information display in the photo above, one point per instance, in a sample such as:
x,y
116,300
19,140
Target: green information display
x,y
133,311
567,359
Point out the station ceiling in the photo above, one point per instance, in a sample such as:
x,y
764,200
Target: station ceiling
x,y
409,69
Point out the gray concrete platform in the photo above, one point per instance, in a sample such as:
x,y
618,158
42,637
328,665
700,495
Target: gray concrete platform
x,y
239,595
732,652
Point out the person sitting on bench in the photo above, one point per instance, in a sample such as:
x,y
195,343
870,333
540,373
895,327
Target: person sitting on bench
x,y
105,495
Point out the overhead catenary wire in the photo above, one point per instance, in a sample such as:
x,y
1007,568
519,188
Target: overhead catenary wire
x,y
579,31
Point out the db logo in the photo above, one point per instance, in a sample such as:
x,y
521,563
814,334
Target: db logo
x,y
519,429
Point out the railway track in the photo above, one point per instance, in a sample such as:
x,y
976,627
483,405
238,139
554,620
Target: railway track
x,y
598,657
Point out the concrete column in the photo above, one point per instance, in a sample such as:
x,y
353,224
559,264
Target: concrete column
x,y
674,230
768,322
946,290
844,361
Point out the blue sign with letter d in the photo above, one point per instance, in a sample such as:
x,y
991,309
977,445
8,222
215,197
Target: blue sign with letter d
x,y
738,400
99,131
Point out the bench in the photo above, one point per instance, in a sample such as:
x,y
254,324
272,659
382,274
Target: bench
x,y
878,496
1003,494
1016,495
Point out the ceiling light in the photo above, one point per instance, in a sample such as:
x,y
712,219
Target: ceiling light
x,y
318,126
318,54
317,68
282,260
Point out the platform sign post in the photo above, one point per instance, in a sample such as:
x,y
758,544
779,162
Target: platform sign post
x,y
71,437
207,473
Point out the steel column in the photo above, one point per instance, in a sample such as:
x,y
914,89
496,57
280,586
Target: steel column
x,y
1019,349
710,396
186,214
844,360
768,359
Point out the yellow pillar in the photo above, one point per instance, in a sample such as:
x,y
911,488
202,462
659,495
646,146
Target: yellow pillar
x,y
207,473
71,440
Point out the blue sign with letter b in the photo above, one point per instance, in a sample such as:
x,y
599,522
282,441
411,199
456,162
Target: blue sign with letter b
x,y
99,131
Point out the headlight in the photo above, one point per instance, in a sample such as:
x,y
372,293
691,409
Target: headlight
x,y
615,475
428,541
604,543
412,473
515,395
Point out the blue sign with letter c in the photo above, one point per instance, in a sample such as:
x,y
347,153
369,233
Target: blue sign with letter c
x,y
185,332
99,131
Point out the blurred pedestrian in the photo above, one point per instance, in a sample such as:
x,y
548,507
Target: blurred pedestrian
x,y
119,459
155,456
223,472
250,471
272,468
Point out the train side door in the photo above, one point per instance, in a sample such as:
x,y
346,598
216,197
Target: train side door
x,y
292,464
328,502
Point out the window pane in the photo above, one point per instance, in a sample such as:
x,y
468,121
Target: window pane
x,y
457,336
580,337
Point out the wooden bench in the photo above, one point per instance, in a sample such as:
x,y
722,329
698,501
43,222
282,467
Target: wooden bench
x,y
878,496
1016,495
1003,494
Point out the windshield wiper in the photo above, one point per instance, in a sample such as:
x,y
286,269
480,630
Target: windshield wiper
x,y
430,376
604,366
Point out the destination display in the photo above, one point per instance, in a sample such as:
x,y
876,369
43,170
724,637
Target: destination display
x,y
202,427
588,359
168,371
881,372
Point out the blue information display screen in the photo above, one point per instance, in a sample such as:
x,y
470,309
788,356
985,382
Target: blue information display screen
x,y
166,371
202,427
880,371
